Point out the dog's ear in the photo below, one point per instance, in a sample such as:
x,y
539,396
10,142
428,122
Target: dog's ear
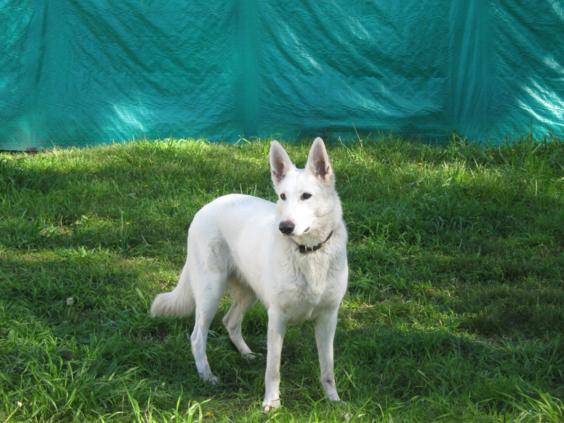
x,y
280,163
318,161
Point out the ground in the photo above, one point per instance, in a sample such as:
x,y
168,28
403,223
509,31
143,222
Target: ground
x,y
455,308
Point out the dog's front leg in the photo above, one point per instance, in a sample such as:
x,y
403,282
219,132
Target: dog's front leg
x,y
324,333
275,338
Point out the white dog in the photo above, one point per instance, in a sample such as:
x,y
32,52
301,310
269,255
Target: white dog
x,y
291,255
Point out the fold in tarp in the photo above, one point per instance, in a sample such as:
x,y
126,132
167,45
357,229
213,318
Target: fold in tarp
x,y
81,72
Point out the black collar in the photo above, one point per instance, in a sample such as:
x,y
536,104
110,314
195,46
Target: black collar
x,y
305,249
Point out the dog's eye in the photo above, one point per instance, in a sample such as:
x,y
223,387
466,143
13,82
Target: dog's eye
x,y
282,196
306,195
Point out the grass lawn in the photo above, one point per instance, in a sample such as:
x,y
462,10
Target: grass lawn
x,y
455,310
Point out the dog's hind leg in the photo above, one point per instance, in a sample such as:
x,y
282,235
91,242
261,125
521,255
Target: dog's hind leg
x,y
242,298
210,288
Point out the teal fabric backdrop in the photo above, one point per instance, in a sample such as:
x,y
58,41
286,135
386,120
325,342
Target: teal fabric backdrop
x,y
80,72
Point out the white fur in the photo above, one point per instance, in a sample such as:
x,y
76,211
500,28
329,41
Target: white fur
x,y
235,242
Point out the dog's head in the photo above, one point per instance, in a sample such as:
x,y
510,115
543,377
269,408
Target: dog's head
x,y
307,201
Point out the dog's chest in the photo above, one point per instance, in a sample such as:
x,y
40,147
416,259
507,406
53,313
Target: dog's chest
x,y
309,289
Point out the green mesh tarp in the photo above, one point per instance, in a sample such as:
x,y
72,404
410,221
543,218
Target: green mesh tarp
x,y
78,72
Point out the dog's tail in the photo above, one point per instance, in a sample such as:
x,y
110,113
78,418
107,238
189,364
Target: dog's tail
x,y
177,303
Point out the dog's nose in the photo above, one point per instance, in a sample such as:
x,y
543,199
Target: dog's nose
x,y
286,227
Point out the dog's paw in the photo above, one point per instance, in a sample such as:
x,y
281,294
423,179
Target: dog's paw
x,y
334,397
251,356
211,379
270,405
